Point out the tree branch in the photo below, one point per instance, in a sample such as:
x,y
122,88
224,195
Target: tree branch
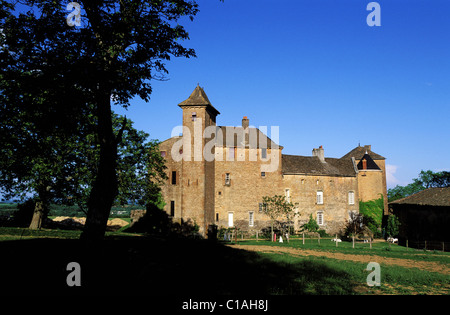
x,y
119,135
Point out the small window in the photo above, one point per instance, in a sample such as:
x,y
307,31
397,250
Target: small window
x,y
227,179
351,197
194,116
263,174
230,219
262,207
250,218
163,153
174,177
320,220
172,208
319,198
287,194
264,153
217,216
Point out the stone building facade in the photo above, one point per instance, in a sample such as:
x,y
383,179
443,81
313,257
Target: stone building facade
x,y
218,175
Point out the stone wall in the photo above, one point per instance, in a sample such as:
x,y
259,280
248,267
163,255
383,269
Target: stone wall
x,y
336,205
246,188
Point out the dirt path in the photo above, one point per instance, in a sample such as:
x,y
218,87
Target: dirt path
x,y
408,263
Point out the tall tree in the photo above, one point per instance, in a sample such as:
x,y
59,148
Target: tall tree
x,y
277,207
115,52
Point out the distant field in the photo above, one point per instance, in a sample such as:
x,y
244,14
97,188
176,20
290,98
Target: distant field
x,y
71,211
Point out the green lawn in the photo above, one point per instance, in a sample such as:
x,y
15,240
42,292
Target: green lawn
x,y
379,248
133,264
394,279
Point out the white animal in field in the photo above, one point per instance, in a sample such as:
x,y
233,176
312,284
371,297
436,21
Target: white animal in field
x,y
336,240
392,240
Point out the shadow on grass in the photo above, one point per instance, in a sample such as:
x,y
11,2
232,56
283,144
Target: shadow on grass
x,y
154,266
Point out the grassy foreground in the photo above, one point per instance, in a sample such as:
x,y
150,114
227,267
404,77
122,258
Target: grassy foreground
x,y
35,262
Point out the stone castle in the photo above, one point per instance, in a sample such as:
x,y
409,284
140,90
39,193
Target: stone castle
x,y
218,175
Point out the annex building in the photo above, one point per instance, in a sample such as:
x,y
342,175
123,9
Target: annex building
x,y
218,175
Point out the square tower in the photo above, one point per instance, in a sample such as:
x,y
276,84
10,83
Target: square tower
x,y
197,182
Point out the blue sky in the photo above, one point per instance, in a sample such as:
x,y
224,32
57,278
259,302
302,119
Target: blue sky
x,y
320,73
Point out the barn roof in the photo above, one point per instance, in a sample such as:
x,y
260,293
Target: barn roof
x,y
429,197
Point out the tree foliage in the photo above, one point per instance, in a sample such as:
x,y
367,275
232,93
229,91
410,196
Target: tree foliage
x,y
426,179
279,210
62,73
310,226
393,226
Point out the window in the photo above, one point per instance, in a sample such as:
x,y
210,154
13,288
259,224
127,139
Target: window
x,y
262,207
227,179
250,218
319,198
163,153
217,216
230,219
351,197
174,177
194,116
264,153
263,174
320,220
172,208
287,194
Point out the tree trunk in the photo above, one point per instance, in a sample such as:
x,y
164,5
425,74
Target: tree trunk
x,y
40,207
271,230
105,186
38,216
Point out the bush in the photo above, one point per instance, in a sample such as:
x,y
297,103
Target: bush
x,y
267,233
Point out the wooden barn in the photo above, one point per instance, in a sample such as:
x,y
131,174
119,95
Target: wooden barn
x,y
424,218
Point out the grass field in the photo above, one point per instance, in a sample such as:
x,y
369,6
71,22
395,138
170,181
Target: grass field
x,y
403,271
137,264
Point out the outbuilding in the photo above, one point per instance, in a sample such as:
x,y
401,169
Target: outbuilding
x,y
424,218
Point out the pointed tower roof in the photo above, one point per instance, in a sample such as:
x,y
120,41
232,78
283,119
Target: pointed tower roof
x,y
198,98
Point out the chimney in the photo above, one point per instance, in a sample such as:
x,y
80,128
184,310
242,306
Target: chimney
x,y
245,122
319,153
